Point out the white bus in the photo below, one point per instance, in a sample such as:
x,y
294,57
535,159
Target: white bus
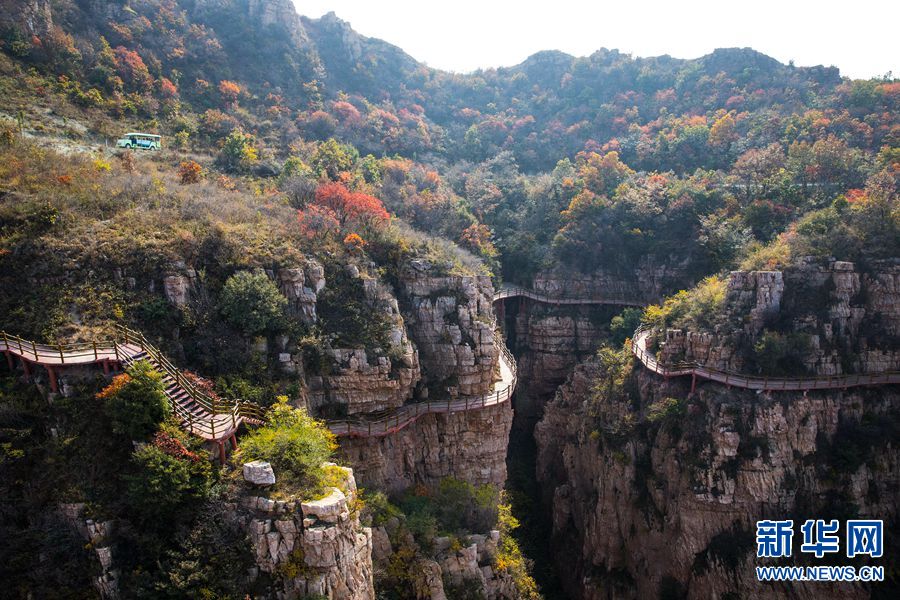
x,y
146,141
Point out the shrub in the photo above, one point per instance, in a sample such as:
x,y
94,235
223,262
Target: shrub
x,y
135,401
623,325
699,308
190,172
295,443
779,354
238,152
252,303
164,484
665,409
510,558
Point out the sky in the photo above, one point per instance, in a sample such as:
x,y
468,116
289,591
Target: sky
x,y
861,37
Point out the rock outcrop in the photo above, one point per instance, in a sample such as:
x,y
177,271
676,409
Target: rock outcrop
x,y
97,535
549,342
848,319
647,282
461,568
315,548
300,286
452,322
466,445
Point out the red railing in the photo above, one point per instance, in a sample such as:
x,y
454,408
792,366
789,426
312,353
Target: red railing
x,y
217,418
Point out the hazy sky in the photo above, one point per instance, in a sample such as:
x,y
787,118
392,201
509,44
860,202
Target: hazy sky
x,y
862,37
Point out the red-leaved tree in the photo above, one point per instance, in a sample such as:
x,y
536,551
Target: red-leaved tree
x,y
351,208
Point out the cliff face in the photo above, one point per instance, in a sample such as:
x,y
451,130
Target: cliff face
x,y
644,504
315,548
849,319
468,571
442,346
550,342
647,282
452,323
467,445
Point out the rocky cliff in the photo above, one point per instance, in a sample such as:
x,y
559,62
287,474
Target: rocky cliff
x,y
655,491
462,570
466,445
847,319
647,282
314,548
549,342
450,321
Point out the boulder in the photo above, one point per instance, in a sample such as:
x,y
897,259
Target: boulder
x,y
259,472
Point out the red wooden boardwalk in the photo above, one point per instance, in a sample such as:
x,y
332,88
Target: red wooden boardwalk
x,y
209,418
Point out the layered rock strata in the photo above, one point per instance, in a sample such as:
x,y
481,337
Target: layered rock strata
x,y
315,548
466,445
848,319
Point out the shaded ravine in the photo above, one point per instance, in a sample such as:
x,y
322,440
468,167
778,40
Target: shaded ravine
x,y
522,489
524,495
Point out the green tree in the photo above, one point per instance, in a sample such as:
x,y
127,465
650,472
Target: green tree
x,y
136,401
295,443
252,303
333,158
238,152
622,325
163,485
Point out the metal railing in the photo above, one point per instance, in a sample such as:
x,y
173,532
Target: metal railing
x,y
753,382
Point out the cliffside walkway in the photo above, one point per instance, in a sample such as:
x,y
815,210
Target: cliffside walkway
x,y
399,418
753,382
698,371
514,291
210,418
214,419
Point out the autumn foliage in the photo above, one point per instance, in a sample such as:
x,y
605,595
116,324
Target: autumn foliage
x,y
190,172
173,447
118,382
229,91
351,208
